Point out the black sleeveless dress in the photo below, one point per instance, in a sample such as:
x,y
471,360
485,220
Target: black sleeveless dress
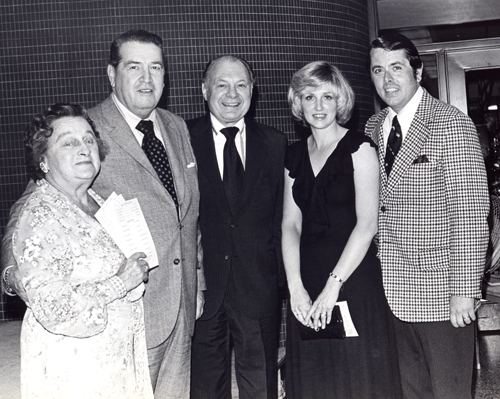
x,y
356,367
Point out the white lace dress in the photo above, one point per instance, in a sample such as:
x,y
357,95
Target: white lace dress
x,y
81,338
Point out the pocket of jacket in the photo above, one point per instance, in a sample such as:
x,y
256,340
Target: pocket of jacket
x,y
434,259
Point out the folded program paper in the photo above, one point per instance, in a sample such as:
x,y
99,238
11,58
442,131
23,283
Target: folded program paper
x,y
125,223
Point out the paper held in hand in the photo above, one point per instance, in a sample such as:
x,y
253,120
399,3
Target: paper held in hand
x,y
350,330
125,223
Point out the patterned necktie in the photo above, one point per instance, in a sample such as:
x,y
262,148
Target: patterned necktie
x,y
233,167
393,144
155,151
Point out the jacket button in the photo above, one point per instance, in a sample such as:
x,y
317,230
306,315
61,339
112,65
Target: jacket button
x,y
226,257
382,209
176,261
232,225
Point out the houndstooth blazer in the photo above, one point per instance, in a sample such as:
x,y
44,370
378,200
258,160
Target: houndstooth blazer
x,y
433,210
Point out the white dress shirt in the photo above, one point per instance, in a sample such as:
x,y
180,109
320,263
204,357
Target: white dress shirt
x,y
405,116
132,120
220,141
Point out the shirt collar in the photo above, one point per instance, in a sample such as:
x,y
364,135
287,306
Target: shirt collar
x,y
217,126
406,115
131,118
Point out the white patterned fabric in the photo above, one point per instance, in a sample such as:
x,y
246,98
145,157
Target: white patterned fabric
x,y
82,337
433,230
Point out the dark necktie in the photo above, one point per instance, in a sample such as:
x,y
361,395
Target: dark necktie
x,y
233,167
393,144
155,151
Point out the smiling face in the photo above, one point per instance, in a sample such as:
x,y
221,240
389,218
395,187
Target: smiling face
x,y
393,77
319,106
137,80
72,155
228,91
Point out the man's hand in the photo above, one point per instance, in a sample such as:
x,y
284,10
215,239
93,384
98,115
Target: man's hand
x,y
14,280
200,302
461,311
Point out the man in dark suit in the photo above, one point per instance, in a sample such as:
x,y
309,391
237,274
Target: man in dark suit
x,y
433,229
173,296
241,182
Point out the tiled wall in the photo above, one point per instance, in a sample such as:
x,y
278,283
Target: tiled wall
x,y
56,50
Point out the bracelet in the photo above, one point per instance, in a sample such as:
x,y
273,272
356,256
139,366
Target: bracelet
x,y
337,278
7,288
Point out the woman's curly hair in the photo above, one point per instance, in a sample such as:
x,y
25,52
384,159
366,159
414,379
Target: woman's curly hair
x,y
36,140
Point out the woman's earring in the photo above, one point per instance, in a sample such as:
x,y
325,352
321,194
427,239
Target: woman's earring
x,y
43,167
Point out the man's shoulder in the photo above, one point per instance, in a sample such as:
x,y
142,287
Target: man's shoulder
x,y
98,110
201,121
169,116
269,131
378,116
440,107
376,119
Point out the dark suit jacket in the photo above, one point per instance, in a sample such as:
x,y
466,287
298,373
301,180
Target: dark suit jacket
x,y
247,242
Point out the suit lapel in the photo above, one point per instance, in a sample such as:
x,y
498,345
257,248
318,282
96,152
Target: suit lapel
x,y
116,128
379,139
415,138
256,154
173,146
203,144
119,131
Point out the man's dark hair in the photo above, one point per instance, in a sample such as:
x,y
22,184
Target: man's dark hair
x,y
134,35
397,41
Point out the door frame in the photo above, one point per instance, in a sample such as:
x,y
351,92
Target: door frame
x,y
453,59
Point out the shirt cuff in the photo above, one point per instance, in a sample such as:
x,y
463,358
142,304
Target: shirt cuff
x,y
118,285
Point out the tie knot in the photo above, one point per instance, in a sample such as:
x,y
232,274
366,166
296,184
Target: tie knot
x,y
145,127
230,132
395,123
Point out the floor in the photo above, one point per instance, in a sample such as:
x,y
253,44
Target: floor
x,y
486,380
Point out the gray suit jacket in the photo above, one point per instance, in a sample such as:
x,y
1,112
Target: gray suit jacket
x,y
172,286
433,231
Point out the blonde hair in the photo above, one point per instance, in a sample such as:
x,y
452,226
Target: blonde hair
x,y
315,74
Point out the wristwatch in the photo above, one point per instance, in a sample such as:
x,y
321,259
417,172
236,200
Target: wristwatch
x,y
7,288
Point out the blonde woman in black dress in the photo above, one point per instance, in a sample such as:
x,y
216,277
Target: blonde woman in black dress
x,y
329,221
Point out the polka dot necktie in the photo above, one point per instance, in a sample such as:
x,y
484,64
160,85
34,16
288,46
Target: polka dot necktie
x,y
155,151
393,144
233,167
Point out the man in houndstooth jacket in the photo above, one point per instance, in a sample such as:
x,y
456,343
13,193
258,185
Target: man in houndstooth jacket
x,y
433,229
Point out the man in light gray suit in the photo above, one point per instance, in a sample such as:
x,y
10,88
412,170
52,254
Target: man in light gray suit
x,y
169,199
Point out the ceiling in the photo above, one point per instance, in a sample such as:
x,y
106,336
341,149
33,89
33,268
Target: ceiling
x,y
449,33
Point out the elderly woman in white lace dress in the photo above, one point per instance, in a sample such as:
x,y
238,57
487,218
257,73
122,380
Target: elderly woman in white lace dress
x,y
83,331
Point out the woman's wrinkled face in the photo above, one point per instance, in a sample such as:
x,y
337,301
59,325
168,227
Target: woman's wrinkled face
x,y
72,155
